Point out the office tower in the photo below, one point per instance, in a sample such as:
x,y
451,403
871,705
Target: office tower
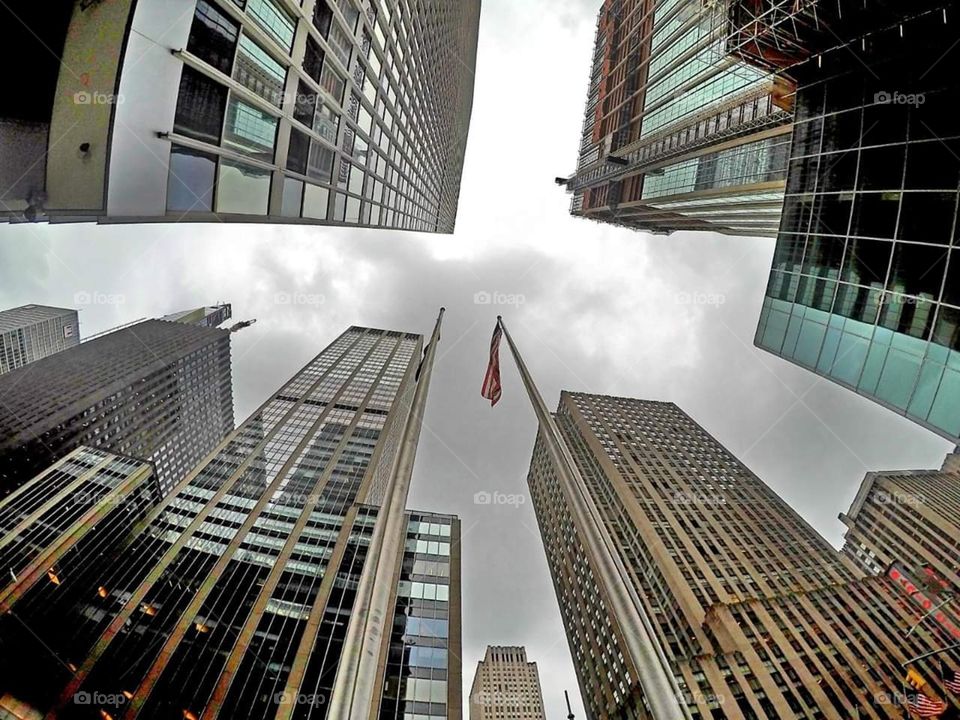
x,y
423,672
56,528
909,516
679,134
332,112
30,332
156,390
752,611
209,316
236,597
506,686
864,288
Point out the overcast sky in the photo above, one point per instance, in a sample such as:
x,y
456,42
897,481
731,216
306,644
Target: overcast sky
x,y
593,308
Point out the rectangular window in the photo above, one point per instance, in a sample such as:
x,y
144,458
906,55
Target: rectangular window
x,y
272,18
259,72
292,195
326,123
313,59
322,17
200,107
249,130
242,189
190,183
298,151
331,81
213,36
315,201
320,165
306,101
340,42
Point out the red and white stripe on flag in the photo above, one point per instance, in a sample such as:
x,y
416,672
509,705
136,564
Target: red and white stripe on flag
x,y
923,706
954,685
491,381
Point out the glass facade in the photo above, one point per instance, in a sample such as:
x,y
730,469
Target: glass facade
x,y
671,116
234,598
865,283
363,122
31,332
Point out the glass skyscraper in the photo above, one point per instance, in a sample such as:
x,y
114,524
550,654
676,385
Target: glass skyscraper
x,y
350,112
156,390
865,284
679,134
235,596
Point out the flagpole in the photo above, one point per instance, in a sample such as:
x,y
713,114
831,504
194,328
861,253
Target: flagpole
x,y
353,691
656,679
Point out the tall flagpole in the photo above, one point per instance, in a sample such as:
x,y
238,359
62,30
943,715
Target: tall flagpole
x,y
354,687
653,670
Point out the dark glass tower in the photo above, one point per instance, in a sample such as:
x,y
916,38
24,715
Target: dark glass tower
x,y
235,597
865,284
156,390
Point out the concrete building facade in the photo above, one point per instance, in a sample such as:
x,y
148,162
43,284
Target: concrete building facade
x,y
31,332
506,686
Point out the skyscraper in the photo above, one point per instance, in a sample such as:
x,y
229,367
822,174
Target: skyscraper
x,y
865,284
208,316
31,332
678,134
322,112
506,686
156,390
911,517
238,594
753,613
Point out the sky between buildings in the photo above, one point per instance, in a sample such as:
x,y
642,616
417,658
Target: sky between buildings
x,y
593,308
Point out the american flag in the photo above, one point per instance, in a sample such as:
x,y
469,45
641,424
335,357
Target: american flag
x,y
923,706
491,381
954,685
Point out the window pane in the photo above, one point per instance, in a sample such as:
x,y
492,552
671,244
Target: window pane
x,y
190,183
274,20
259,72
315,201
340,42
320,165
331,81
250,130
305,104
242,189
353,210
313,59
322,15
292,193
213,36
326,123
199,107
297,152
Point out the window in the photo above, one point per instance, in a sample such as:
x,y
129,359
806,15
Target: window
x,y
274,20
200,107
320,164
304,106
190,183
326,123
331,81
213,37
249,130
259,72
298,151
292,194
315,201
340,42
242,189
322,16
313,59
